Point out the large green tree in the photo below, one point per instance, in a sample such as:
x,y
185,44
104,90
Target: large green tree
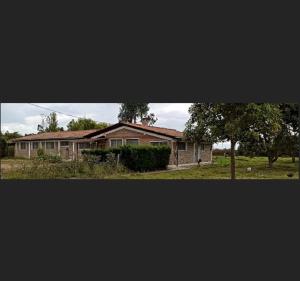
x,y
85,124
131,112
233,122
274,132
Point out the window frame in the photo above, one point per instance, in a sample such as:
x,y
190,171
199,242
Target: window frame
x,y
80,143
48,142
161,142
61,145
138,141
25,143
185,147
115,139
35,142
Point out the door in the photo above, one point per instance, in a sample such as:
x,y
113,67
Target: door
x,y
65,153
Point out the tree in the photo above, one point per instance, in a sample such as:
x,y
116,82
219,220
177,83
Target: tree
x,y
290,131
52,123
130,112
3,146
9,136
233,122
4,139
274,131
85,124
218,123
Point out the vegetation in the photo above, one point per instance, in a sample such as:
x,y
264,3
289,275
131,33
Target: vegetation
x,y
135,157
220,170
5,148
52,122
85,124
38,169
259,127
130,112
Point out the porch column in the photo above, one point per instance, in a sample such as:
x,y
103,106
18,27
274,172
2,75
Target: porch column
x,y
58,147
29,150
73,154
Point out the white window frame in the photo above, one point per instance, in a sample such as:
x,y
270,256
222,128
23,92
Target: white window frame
x,y
115,139
164,142
133,139
185,146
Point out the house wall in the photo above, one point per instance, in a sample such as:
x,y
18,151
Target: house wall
x,y
206,154
63,151
190,155
127,134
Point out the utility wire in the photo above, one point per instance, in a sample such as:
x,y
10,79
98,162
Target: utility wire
x,y
53,110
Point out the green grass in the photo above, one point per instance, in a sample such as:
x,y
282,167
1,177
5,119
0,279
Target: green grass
x,y
220,169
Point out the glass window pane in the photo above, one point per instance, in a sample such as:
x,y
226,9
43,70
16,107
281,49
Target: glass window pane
x,y
35,145
50,145
132,141
116,143
159,143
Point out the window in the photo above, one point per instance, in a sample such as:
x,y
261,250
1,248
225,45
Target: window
x,y
202,147
49,145
116,143
132,141
181,145
35,145
64,143
23,145
159,142
84,145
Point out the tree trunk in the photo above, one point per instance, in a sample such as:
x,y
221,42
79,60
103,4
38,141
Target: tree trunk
x,y
232,156
270,162
293,159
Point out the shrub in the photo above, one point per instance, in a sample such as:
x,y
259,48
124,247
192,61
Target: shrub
x,y
135,158
42,156
10,151
3,147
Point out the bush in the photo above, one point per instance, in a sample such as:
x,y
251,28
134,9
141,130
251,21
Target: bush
x,y
10,151
3,147
42,156
135,158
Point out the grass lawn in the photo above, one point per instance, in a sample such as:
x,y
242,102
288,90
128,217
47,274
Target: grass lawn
x,y
220,169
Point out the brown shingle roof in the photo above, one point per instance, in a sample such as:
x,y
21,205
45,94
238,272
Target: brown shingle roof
x,y
57,135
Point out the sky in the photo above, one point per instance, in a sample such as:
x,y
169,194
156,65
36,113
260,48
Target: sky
x,y
24,117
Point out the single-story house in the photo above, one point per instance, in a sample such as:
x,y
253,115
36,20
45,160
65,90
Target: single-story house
x,y
69,144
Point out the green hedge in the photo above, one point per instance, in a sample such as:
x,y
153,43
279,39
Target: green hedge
x,y
137,157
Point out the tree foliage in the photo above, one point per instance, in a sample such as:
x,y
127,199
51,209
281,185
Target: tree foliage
x,y
85,124
131,112
52,123
234,122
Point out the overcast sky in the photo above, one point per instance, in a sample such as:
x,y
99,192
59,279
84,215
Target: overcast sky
x,y
24,118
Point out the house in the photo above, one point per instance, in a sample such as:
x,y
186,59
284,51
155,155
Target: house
x,y
69,144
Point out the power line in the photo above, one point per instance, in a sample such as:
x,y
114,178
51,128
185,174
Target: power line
x,y
43,107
